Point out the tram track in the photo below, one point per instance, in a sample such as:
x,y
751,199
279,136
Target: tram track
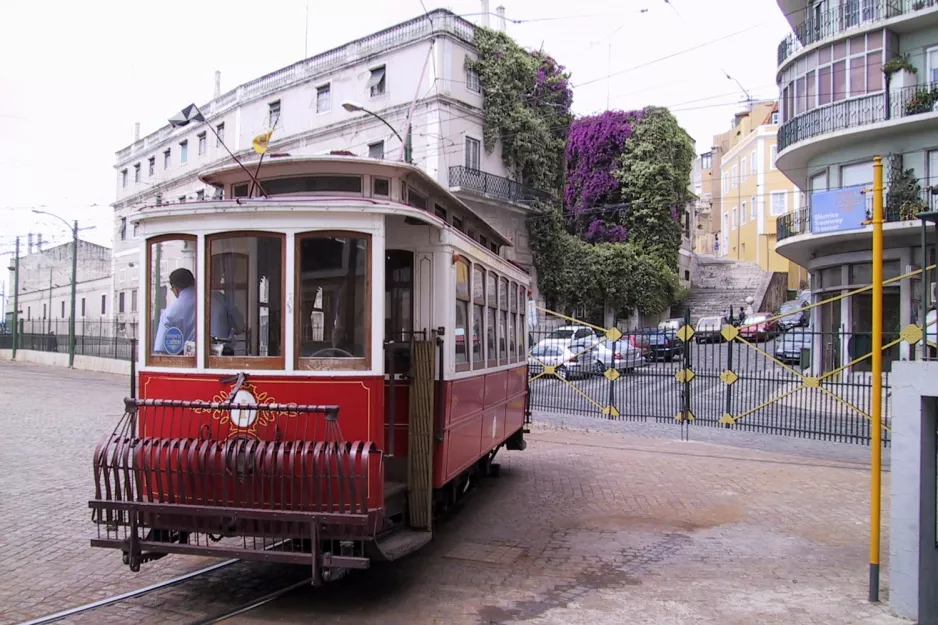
x,y
139,592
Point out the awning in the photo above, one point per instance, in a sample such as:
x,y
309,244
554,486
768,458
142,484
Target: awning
x,y
377,75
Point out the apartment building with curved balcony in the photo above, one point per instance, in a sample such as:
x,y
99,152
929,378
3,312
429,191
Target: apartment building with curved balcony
x,y
839,109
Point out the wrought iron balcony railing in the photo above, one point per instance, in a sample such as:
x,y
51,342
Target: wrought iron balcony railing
x,y
857,112
496,186
847,15
799,221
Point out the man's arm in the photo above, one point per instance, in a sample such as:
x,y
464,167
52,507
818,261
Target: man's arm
x,y
160,333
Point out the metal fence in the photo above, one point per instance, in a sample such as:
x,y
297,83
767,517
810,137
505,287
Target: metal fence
x,y
102,339
848,14
791,381
493,185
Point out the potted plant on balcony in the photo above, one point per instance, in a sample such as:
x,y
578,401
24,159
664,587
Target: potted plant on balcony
x,y
924,100
904,199
918,5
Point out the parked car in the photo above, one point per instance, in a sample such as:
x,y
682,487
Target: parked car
x,y
796,318
598,356
558,356
664,345
565,335
671,325
709,329
758,327
788,347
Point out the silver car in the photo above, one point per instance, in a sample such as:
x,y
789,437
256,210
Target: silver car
x,y
598,355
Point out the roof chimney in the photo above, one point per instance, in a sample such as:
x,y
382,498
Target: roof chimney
x,y
39,242
500,12
485,13
136,131
217,83
29,244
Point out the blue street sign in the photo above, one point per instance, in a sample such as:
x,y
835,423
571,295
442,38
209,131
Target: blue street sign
x,y
173,341
838,210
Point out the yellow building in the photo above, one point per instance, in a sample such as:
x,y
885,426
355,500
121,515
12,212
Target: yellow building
x,y
754,194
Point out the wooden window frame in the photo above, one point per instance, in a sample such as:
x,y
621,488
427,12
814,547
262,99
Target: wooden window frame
x,y
362,363
478,364
491,360
463,366
522,323
245,362
502,309
513,318
159,360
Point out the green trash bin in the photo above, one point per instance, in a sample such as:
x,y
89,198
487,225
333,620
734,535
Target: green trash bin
x,y
805,357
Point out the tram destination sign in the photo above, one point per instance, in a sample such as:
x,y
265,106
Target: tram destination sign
x,y
838,210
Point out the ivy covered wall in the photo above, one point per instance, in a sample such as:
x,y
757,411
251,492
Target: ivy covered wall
x,y
613,237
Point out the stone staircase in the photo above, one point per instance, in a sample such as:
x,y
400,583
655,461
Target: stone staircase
x,y
720,283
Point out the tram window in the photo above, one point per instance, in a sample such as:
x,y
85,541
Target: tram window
x,y
502,319
416,200
313,184
333,301
491,296
171,301
381,186
522,321
478,323
245,307
462,312
512,321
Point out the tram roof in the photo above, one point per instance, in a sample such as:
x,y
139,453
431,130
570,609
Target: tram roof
x,y
286,165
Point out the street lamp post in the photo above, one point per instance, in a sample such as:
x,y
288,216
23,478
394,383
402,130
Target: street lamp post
x,y
71,317
353,107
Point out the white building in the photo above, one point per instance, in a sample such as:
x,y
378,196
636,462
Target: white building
x,y
45,290
424,58
838,110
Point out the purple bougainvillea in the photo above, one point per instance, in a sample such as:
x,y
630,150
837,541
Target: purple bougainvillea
x,y
594,146
552,85
599,231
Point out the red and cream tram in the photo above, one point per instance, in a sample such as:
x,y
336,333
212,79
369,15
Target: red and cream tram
x,y
329,357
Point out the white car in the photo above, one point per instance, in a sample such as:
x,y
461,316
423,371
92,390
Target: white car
x,y
557,356
563,336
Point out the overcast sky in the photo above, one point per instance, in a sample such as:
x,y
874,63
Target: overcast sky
x,y
77,75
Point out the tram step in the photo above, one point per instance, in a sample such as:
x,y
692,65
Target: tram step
x,y
399,543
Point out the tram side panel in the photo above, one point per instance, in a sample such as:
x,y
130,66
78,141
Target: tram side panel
x,y
185,458
481,412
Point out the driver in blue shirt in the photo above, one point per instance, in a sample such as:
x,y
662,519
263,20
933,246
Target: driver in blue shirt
x,y
225,323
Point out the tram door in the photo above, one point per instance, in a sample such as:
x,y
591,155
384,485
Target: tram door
x,y
398,308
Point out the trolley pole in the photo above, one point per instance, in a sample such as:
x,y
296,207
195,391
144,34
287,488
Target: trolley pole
x,y
16,298
876,391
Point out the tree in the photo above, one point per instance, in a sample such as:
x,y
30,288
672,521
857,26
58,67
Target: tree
x,y
654,171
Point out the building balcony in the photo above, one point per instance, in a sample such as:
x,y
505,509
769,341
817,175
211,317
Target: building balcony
x,y
869,117
846,18
795,241
493,187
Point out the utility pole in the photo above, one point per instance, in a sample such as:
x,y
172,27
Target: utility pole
x,y
876,390
49,323
16,298
71,316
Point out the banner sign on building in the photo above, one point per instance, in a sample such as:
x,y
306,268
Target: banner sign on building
x,y
838,210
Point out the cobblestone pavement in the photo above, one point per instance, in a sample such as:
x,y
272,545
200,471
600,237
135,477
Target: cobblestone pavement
x,y
579,528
